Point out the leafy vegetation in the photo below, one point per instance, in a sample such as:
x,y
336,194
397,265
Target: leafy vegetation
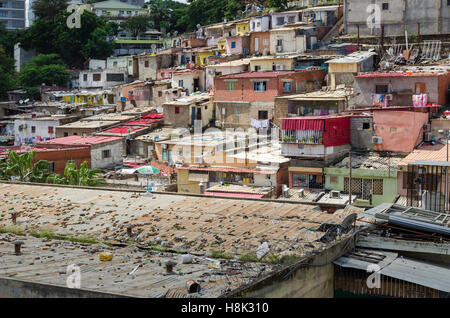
x,y
79,177
44,68
21,167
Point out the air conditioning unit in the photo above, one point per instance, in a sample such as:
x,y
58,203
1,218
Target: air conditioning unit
x,y
301,193
335,194
285,191
279,48
428,136
377,140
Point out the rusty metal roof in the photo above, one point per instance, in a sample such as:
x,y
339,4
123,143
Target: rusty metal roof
x,y
193,223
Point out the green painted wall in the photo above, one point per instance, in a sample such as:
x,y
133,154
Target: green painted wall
x,y
389,181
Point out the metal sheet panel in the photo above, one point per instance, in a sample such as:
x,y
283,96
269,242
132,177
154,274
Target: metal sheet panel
x,y
437,277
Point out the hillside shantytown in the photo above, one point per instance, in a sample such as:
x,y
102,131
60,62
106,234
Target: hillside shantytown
x,y
242,148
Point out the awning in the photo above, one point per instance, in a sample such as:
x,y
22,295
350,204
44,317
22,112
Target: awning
x,y
198,177
303,124
236,195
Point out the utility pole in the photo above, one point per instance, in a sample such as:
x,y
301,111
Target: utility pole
x,y
350,179
446,176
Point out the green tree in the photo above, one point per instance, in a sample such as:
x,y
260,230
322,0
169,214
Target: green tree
x,y
48,9
137,25
79,177
8,75
44,68
21,166
277,4
53,36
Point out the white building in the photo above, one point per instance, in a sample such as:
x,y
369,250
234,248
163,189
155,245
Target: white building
x,y
33,130
106,151
232,67
192,80
279,19
260,24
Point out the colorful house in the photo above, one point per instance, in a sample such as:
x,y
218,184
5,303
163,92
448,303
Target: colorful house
x,y
242,27
374,178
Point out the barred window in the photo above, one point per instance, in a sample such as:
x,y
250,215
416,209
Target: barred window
x,y
378,186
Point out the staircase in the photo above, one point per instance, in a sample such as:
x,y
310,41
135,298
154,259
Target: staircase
x,y
327,37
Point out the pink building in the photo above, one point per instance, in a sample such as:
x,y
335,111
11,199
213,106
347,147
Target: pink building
x,y
400,131
238,45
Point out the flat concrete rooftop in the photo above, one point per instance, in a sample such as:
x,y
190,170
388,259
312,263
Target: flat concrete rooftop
x,y
45,262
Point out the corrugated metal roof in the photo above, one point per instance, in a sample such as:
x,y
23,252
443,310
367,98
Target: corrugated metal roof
x,y
80,140
356,57
407,269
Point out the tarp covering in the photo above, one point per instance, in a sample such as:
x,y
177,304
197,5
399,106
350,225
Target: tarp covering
x,y
303,124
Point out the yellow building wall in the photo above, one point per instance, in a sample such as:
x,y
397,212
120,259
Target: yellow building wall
x,y
342,68
186,186
202,56
242,28
222,45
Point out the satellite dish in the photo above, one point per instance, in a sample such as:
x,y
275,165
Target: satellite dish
x,y
26,100
198,26
20,101
153,46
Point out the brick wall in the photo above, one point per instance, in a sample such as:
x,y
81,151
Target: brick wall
x,y
262,36
61,156
274,86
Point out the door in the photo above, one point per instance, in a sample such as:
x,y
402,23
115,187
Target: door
x,y
256,44
196,84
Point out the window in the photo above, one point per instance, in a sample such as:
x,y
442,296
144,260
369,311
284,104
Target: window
x,y
3,14
333,179
129,12
378,186
262,114
96,77
51,166
177,109
300,180
180,83
72,162
279,42
257,68
114,64
85,77
280,20
121,12
136,13
66,134
230,86
420,88
291,19
366,126
146,63
50,129
381,89
287,86
106,153
160,94
239,29
238,110
259,86
233,45
104,12
33,129
385,6
115,77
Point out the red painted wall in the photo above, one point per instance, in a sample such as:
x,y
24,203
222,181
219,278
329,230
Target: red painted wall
x,y
337,131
